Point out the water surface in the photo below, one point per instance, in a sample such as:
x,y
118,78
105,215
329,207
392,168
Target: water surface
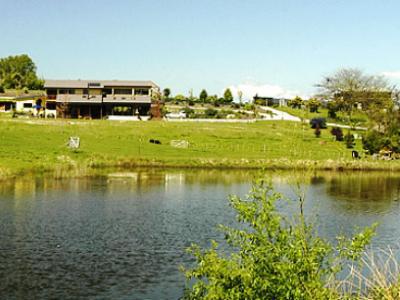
x,y
124,236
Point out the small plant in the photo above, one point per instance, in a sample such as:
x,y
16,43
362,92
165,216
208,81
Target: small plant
x,y
338,133
349,140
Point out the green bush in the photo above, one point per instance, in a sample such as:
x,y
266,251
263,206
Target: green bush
x,y
210,112
373,141
349,140
338,133
272,256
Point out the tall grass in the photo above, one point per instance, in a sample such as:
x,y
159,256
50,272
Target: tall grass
x,y
376,277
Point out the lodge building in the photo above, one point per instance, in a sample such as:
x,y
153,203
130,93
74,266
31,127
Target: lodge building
x,y
96,99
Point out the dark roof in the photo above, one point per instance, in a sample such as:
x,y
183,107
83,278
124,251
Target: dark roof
x,y
49,83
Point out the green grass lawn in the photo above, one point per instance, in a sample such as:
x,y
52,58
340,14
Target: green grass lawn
x,y
37,145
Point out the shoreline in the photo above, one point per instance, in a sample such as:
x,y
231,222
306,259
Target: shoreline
x,y
94,168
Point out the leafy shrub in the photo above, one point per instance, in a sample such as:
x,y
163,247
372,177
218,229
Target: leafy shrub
x,y
1,89
313,104
296,102
333,108
249,106
188,111
320,122
373,141
274,257
338,133
349,140
210,112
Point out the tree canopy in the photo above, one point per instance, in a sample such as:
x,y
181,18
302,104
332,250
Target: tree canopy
x,y
166,93
18,72
203,96
228,97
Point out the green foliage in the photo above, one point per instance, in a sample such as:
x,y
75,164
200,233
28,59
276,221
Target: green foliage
x,y
166,93
333,108
318,122
374,141
228,97
296,102
351,89
210,112
338,133
249,106
17,72
272,256
203,96
188,111
212,99
349,140
1,89
180,98
313,104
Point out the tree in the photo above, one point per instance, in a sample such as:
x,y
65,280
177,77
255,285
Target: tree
x,y
274,256
166,93
350,88
228,98
296,102
313,104
240,96
18,72
203,96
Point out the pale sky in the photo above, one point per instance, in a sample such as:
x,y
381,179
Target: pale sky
x,y
275,48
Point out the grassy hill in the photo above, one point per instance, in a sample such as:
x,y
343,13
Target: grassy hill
x,y
40,145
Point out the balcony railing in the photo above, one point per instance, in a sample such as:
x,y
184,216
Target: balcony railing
x,y
127,98
107,99
79,98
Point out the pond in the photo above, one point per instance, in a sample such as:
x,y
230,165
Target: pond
x,y
124,235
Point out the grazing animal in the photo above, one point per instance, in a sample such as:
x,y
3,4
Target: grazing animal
x,y
355,154
153,141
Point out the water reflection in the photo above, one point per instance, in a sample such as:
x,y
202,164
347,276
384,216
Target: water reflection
x,y
124,234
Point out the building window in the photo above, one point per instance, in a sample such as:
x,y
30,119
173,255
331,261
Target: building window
x,y
27,105
141,91
66,91
122,91
85,91
107,91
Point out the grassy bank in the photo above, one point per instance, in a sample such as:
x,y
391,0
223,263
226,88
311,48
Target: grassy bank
x,y
32,145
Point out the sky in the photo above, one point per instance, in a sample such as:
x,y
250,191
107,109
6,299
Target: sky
x,y
278,48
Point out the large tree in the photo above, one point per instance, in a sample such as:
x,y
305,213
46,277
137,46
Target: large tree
x,y
17,72
351,88
203,96
228,97
166,93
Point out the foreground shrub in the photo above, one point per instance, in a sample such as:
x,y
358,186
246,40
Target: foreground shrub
x,y
274,257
